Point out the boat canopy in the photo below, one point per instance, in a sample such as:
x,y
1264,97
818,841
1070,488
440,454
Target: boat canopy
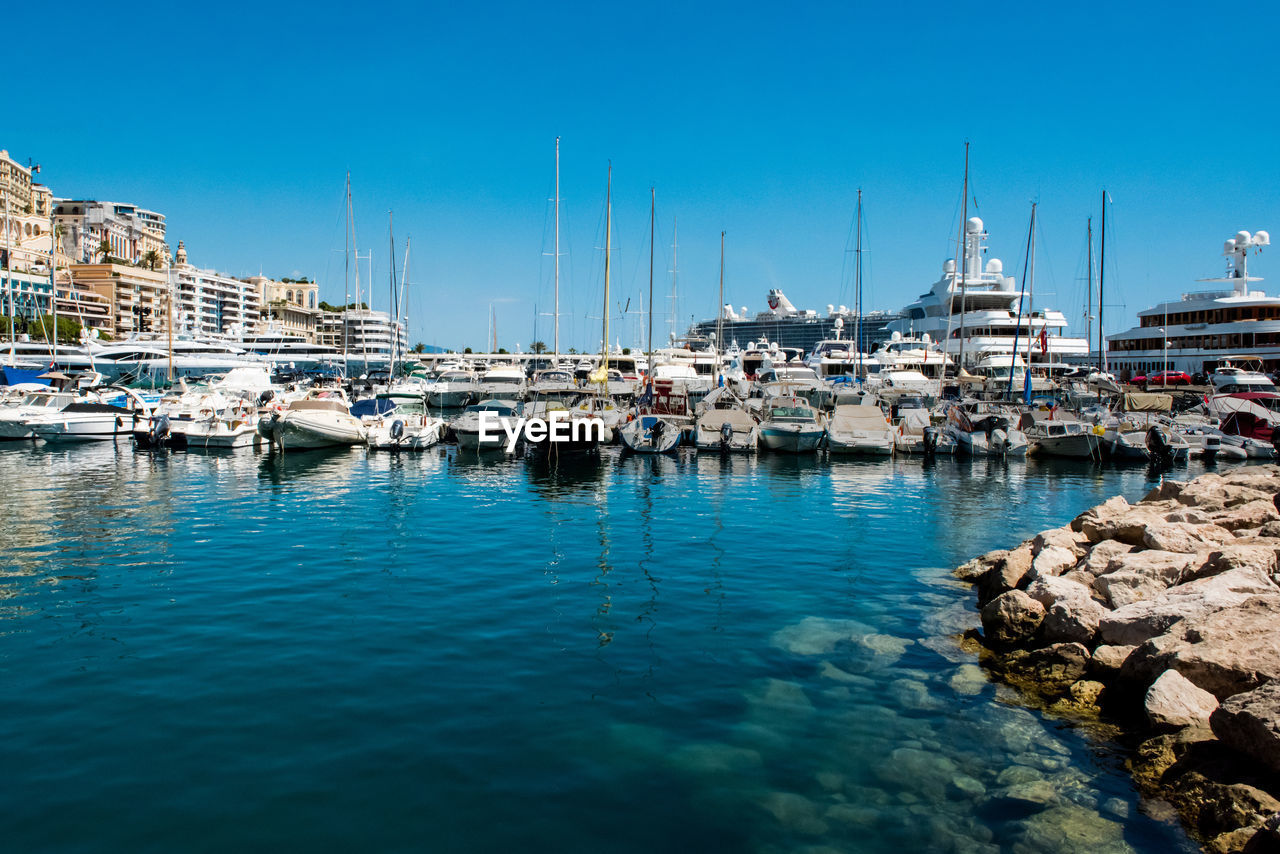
x,y
1147,402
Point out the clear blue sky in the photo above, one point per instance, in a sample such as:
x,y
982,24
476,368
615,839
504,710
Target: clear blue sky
x,y
238,123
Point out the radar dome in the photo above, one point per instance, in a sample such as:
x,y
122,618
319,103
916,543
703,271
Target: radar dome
x,y
926,339
1228,247
949,266
1261,238
839,324
1243,238
897,336
995,265
974,226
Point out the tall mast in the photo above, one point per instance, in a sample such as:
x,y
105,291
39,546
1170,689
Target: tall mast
x,y
857,293
1022,295
557,251
1031,301
1102,277
391,306
653,204
675,267
964,256
169,323
53,296
720,314
608,234
346,273
8,276
1088,311
404,292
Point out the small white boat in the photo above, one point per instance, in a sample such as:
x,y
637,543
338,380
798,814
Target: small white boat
x,y
503,414
405,429
725,425
860,429
1053,433
649,434
15,420
790,424
92,422
984,433
322,419
452,390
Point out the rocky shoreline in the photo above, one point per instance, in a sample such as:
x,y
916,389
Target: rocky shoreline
x,y
1159,621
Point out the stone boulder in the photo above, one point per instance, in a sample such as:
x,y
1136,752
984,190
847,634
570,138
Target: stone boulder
x,y
973,570
1254,514
1071,613
1168,490
1050,671
1128,527
1172,702
1142,620
1052,561
1011,617
1225,652
1142,575
1250,723
1063,538
1240,555
1107,660
1184,536
1006,574
1100,556
1213,493
1107,509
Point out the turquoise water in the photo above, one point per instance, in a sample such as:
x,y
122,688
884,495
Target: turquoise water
x,y
344,651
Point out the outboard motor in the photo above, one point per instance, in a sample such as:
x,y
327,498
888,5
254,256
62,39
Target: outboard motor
x,y
160,430
930,441
998,441
397,430
1158,444
726,436
265,397
1212,442
655,433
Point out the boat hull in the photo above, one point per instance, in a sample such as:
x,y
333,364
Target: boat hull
x,y
791,439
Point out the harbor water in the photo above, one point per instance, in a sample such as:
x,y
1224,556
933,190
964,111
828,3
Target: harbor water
x,y
341,651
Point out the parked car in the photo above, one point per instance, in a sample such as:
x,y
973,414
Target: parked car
x,y
1138,379
1164,378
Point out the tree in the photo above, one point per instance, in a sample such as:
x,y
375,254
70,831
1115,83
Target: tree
x,y
537,347
40,327
626,351
104,249
573,351
467,350
419,348
151,260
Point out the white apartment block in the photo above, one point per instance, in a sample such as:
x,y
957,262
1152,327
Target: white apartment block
x,y
361,332
212,303
130,231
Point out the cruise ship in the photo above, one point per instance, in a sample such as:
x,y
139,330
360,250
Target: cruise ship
x,y
790,328
975,310
1203,329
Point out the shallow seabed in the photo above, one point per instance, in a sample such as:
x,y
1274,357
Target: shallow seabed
x,y
348,651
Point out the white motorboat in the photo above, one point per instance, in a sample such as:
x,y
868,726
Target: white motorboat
x,y
15,420
725,425
408,427
321,419
452,390
984,432
1055,433
498,415
554,382
860,429
502,382
791,424
915,433
92,421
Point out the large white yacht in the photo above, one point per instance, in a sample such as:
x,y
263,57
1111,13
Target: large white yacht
x,y
1205,329
975,309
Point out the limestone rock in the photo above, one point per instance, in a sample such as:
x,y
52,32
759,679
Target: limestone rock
x,y
1063,538
1140,621
1052,561
1107,509
1168,489
1071,613
1007,574
1184,537
969,679
1250,723
1142,575
973,570
1099,557
1239,555
1254,514
1011,617
1107,660
1128,527
1049,671
1173,702
1213,493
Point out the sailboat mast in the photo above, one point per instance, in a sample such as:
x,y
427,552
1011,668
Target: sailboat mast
x,y
1102,277
346,273
1031,296
720,313
653,204
8,277
391,306
404,291
53,297
964,256
608,235
857,293
169,323
1022,294
675,267
1088,311
557,252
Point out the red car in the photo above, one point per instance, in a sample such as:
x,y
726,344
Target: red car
x,y
1169,378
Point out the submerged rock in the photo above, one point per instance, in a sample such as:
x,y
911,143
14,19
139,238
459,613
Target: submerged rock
x,y
817,635
968,679
1070,829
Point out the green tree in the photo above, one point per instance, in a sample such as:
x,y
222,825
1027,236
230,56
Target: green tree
x,y
626,351
152,260
467,350
419,348
104,249
537,347
40,327
573,351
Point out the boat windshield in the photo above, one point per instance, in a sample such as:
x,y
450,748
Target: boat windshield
x,y
794,412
